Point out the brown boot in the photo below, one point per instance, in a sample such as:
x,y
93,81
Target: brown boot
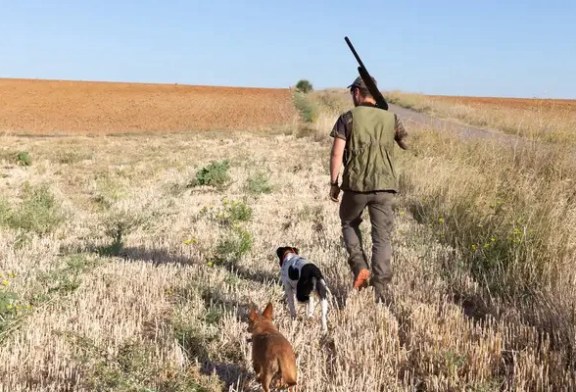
x,y
361,280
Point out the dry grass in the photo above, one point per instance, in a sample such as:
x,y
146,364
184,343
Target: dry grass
x,y
40,107
145,283
319,110
551,120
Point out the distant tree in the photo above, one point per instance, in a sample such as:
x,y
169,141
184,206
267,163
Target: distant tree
x,y
304,86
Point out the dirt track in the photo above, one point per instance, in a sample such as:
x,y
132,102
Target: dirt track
x,y
410,117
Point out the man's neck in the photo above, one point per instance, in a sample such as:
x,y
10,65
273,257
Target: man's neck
x,y
368,101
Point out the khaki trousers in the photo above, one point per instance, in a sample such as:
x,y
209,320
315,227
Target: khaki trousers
x,y
382,219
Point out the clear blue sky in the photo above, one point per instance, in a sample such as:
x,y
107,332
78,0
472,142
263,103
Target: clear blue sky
x,y
486,48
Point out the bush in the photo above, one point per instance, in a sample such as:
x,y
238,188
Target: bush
x,y
39,211
119,225
9,305
304,86
234,211
215,174
258,183
307,108
23,158
236,243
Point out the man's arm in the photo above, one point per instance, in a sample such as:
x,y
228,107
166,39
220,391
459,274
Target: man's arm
x,y
336,158
401,135
340,133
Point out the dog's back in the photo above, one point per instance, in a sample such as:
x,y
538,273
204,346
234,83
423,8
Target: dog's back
x,y
311,279
271,352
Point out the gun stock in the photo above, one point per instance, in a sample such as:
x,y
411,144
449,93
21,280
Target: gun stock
x,y
370,85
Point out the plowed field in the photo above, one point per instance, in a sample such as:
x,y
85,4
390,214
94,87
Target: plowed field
x,y
45,107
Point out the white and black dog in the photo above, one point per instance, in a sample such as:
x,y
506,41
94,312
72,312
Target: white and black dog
x,y
303,277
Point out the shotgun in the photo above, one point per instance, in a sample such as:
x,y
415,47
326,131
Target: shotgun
x,y
370,85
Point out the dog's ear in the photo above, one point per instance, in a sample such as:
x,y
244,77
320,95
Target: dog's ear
x,y
253,315
296,251
267,313
280,252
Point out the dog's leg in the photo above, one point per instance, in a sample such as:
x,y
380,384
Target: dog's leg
x,y
266,379
258,371
324,304
311,306
290,298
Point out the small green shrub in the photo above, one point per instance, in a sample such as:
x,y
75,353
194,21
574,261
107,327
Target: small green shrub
x,y
23,158
230,213
307,107
118,225
9,305
233,245
234,211
38,212
258,183
213,315
215,174
67,279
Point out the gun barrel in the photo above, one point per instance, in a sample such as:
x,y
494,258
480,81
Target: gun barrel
x,y
354,52
365,75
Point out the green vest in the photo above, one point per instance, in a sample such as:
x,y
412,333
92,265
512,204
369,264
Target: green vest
x,y
369,157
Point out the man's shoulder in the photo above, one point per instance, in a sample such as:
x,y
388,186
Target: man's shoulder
x,y
347,116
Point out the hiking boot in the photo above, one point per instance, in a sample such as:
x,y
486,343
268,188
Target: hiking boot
x,y
361,280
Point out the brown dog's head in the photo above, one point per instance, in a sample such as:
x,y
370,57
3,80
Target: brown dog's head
x,y
283,250
260,322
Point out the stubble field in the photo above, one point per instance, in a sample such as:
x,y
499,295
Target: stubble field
x,y
128,262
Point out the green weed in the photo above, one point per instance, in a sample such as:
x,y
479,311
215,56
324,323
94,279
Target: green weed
x,y
38,212
258,184
306,106
233,244
215,174
23,158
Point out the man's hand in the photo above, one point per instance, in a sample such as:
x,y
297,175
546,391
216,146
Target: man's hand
x,y
334,192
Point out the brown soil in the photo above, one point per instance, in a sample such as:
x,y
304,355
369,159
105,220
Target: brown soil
x,y
46,107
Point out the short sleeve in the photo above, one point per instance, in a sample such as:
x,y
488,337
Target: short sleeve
x,y
342,126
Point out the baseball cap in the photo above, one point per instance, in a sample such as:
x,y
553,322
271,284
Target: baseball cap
x,y
358,82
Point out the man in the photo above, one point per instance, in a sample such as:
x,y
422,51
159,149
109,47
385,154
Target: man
x,y
364,140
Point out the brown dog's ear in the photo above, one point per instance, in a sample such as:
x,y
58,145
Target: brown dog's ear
x,y
296,251
280,252
253,315
267,313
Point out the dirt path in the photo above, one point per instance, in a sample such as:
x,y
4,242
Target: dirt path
x,y
410,118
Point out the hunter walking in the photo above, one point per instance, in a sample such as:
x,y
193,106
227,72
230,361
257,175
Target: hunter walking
x,y
364,140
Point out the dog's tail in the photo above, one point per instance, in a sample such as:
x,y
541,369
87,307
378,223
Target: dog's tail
x,y
321,288
310,279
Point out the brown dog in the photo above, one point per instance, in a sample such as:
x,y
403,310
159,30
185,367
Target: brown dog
x,y
272,354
